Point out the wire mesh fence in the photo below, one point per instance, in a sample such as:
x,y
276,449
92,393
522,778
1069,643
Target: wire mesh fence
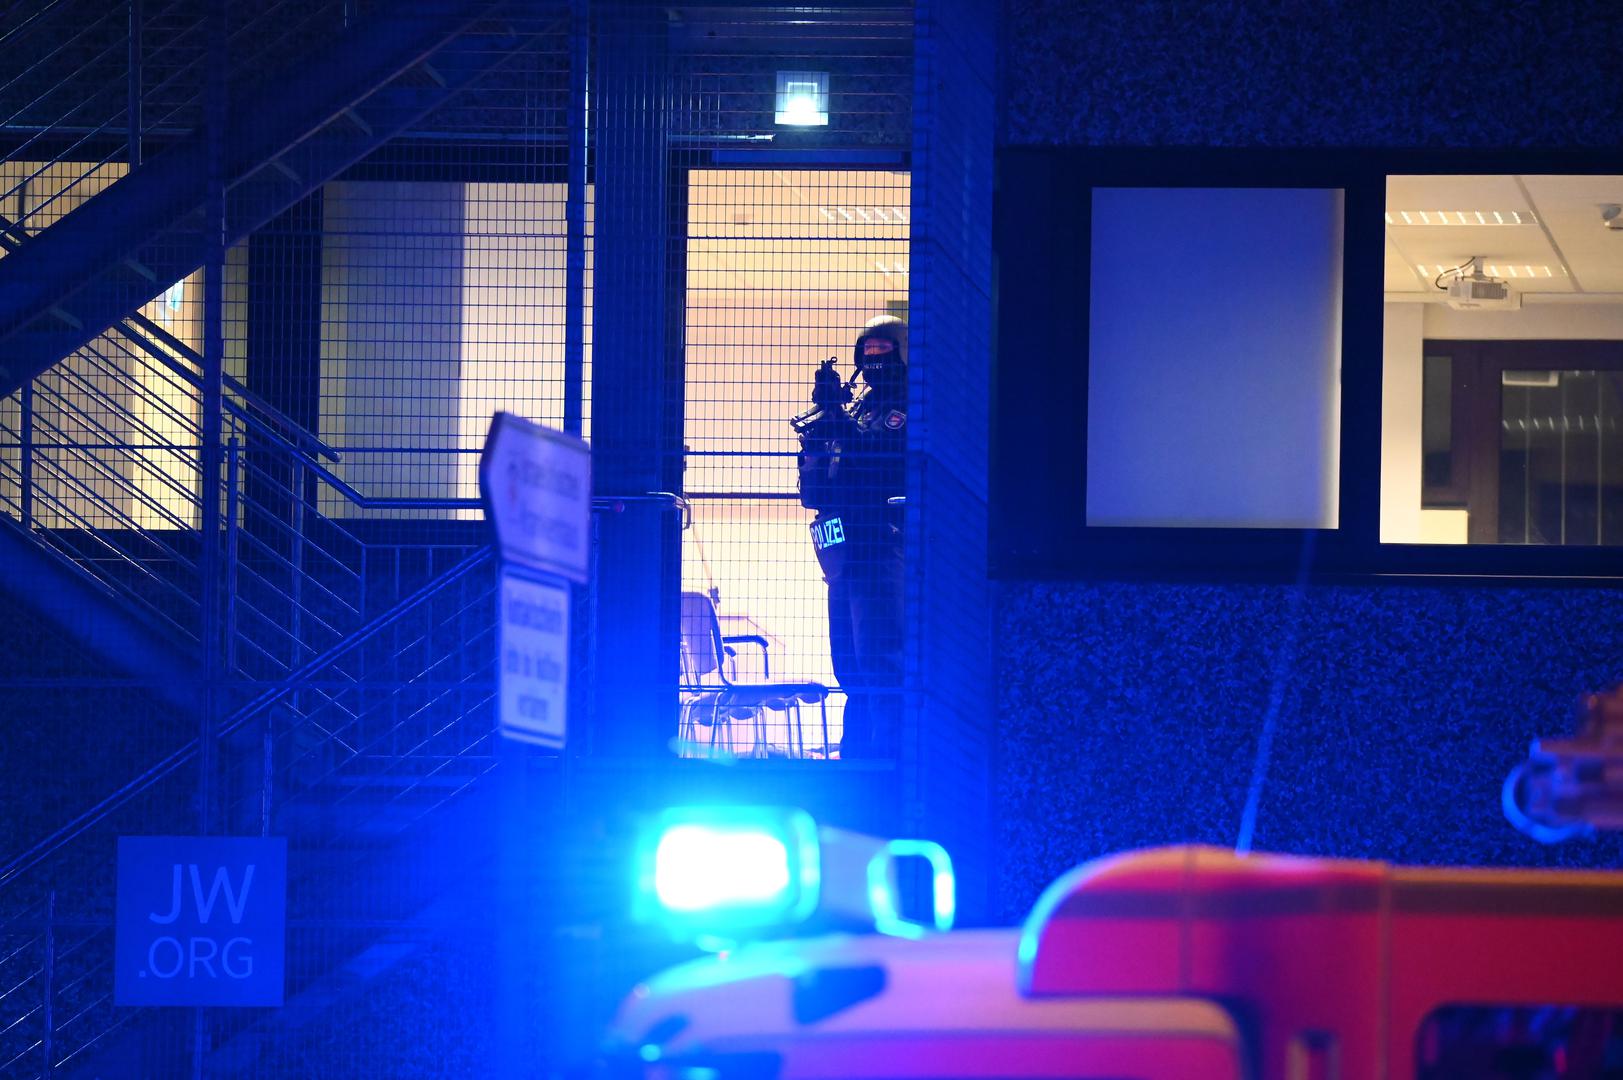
x,y
784,268
278,484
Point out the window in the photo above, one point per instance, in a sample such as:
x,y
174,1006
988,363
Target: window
x,y
112,428
1480,1042
784,266
1253,363
441,303
1214,357
1503,355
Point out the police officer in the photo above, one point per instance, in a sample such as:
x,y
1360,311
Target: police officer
x,y
852,463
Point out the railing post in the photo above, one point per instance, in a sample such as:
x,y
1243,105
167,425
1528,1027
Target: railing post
x,y
134,107
213,406
366,600
231,546
265,774
575,221
48,1040
295,573
212,402
26,451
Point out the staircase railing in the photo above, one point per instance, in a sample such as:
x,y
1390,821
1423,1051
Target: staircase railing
x,y
100,467
356,707
100,82
415,731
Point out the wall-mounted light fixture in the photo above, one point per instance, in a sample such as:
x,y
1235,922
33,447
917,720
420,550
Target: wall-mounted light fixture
x,y
802,98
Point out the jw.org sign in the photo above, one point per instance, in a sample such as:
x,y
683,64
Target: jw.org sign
x,y
201,920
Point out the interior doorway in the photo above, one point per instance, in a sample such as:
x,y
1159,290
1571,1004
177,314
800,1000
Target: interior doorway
x,y
784,266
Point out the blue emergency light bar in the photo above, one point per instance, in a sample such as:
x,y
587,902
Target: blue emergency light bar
x,y
884,893
721,874
713,870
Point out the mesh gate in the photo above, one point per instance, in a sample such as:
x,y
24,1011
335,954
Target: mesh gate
x,y
783,269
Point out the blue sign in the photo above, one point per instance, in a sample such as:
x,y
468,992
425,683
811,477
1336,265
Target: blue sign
x,y
201,920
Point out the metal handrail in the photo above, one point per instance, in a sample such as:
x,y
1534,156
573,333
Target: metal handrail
x,y
395,690
264,700
297,432
38,13
85,133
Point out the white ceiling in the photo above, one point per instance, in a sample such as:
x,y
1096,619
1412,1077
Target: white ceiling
x,y
779,232
753,229
1564,250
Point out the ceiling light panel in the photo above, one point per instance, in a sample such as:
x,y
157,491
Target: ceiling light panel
x,y
1404,218
864,215
1508,270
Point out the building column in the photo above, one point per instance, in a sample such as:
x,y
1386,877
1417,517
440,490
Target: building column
x,y
636,381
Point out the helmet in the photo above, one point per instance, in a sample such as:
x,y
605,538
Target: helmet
x,y
875,363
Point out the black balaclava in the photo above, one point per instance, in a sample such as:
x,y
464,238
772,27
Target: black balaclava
x,y
886,373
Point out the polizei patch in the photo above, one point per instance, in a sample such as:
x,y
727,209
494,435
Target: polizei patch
x,y
895,419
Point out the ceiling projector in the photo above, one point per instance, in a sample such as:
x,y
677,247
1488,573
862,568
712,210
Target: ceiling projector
x,y
1477,291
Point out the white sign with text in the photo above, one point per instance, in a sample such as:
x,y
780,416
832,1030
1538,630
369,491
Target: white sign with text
x,y
534,659
537,486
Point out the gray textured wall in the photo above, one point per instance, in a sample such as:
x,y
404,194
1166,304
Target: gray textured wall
x,y
1129,713
1306,73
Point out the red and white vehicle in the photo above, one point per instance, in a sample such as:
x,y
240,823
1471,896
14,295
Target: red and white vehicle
x,y
1182,962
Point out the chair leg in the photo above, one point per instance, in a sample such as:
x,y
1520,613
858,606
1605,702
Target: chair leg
x,y
822,704
760,747
716,720
687,730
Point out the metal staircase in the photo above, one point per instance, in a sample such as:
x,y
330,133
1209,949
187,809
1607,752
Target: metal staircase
x,y
353,678
369,758
358,703
283,139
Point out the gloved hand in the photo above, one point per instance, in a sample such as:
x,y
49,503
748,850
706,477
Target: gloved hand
x,y
827,389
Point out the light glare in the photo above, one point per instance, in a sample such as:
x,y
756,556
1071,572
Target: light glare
x,y
801,109
888,918
802,99
697,867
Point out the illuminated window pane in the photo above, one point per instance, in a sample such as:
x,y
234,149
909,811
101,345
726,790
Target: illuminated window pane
x,y
1214,358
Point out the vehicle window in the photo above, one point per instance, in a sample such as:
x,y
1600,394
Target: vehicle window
x,y
1519,1042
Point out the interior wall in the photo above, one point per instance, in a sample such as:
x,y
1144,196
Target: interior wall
x,y
1402,361
1408,326
1537,320
392,263
442,303
513,313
